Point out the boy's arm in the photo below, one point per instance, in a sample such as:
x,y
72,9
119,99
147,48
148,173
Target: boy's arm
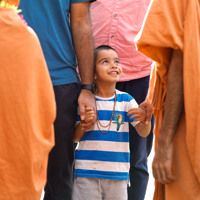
x,y
143,129
139,114
78,134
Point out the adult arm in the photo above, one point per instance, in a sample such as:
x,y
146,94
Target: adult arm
x,y
83,44
162,164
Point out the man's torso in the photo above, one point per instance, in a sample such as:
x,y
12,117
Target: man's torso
x,y
50,20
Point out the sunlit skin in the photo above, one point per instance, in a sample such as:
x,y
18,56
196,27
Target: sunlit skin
x,y
108,72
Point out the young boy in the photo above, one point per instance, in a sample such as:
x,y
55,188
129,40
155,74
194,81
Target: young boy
x,y
102,158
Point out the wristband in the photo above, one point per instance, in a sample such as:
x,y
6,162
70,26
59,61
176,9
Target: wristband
x,y
88,87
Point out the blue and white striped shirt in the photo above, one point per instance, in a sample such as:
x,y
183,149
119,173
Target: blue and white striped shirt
x,y
106,155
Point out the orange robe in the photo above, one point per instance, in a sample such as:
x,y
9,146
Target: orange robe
x,y
27,111
175,24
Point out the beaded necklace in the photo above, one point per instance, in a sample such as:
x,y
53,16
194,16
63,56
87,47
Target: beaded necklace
x,y
109,124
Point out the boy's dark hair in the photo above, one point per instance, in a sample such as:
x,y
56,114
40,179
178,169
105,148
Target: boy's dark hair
x,y
100,48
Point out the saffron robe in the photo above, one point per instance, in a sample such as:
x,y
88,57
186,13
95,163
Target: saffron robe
x,y
176,25
27,110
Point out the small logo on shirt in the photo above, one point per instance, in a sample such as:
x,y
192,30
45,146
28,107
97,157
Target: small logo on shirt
x,y
119,120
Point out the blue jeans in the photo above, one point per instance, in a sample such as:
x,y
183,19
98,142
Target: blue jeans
x,y
139,147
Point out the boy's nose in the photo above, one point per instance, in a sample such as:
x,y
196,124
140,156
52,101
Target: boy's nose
x,y
114,65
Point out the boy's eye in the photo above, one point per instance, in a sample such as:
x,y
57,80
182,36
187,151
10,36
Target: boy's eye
x,y
105,61
117,62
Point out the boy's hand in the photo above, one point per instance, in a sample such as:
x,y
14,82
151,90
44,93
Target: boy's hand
x,y
89,118
89,115
137,113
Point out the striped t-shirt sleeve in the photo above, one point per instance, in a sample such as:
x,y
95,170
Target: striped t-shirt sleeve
x,y
133,104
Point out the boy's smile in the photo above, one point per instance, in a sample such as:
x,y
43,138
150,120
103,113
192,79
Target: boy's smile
x,y
108,67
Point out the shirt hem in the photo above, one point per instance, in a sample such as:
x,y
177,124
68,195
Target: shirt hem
x,y
101,176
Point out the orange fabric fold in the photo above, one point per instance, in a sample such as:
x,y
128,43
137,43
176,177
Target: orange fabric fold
x,y
176,25
13,2
27,111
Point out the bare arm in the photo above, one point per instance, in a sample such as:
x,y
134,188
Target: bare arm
x,y
143,129
82,38
174,106
140,115
83,43
78,134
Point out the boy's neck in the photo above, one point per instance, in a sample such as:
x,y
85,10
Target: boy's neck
x,y
105,91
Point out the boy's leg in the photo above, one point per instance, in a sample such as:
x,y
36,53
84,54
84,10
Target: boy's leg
x,y
114,189
139,147
87,189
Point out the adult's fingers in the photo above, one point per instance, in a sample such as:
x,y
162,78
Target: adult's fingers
x,y
154,170
169,176
162,173
149,111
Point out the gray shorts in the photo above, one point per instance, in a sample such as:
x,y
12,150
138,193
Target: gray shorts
x,y
99,189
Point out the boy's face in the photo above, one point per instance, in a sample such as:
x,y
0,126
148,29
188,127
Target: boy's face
x,y
107,66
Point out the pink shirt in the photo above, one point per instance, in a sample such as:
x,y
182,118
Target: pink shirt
x,y
116,23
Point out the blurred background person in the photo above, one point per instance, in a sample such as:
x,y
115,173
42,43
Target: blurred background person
x,y
174,43
27,109
62,43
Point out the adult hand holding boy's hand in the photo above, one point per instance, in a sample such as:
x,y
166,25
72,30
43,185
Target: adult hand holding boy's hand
x,y
149,111
89,118
86,100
